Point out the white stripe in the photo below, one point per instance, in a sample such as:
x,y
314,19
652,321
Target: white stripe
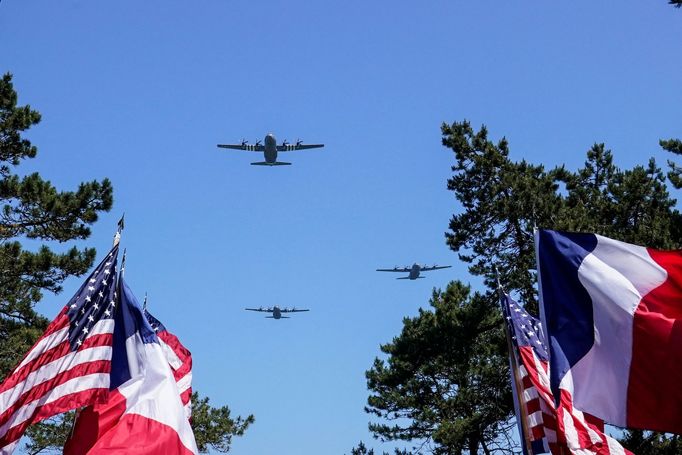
x,y
614,446
171,356
77,384
530,394
9,397
535,419
45,344
101,327
185,382
601,376
522,371
155,394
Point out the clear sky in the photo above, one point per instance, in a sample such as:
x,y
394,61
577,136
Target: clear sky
x,y
141,92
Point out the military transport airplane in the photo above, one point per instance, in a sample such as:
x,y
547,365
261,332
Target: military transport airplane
x,y
414,271
270,148
276,311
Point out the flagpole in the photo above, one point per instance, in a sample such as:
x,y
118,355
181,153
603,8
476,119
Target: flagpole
x,y
514,370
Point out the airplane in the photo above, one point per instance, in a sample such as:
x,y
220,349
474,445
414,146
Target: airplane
x,y
270,148
414,271
276,311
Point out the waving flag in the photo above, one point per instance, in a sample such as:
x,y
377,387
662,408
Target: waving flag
x,y
543,428
69,365
144,413
613,314
179,358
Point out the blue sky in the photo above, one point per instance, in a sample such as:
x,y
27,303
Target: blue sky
x,y
141,92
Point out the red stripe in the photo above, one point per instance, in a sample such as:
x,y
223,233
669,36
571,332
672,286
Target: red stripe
x,y
61,321
62,404
186,396
95,421
135,434
654,388
537,433
182,352
83,369
51,355
533,405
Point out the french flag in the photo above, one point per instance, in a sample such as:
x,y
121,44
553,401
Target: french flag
x,y
613,318
144,413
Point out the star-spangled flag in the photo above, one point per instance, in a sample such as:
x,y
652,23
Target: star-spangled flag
x,y
544,428
613,314
144,413
69,365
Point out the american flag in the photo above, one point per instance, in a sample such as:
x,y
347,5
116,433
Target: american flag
x,y
179,358
530,379
69,365
574,432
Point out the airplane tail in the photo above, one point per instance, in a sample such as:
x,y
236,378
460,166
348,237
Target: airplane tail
x,y
265,163
403,278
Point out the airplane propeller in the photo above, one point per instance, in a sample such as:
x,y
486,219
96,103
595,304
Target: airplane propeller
x,y
244,142
298,142
258,143
285,142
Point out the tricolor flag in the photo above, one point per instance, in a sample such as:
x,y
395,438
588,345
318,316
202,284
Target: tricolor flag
x,y
613,317
564,430
69,365
144,413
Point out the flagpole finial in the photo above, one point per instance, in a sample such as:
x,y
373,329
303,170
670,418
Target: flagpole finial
x,y
119,228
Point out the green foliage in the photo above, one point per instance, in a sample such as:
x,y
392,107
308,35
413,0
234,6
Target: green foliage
x,y
503,200
33,208
649,443
446,379
361,449
214,427
673,146
49,435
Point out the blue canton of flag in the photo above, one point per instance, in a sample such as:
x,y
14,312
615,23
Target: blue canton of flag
x,y
95,301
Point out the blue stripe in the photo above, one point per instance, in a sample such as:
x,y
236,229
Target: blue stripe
x,y
129,321
567,305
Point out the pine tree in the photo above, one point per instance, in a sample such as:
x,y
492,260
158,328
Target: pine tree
x,y
32,208
445,378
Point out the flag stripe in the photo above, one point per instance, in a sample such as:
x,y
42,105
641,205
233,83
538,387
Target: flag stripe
x,y
51,338
61,398
56,356
94,362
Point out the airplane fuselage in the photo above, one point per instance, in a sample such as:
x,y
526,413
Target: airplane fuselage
x,y
270,144
276,312
414,271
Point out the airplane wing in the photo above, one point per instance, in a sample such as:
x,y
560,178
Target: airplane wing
x,y
247,147
260,310
426,268
292,310
297,146
396,269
